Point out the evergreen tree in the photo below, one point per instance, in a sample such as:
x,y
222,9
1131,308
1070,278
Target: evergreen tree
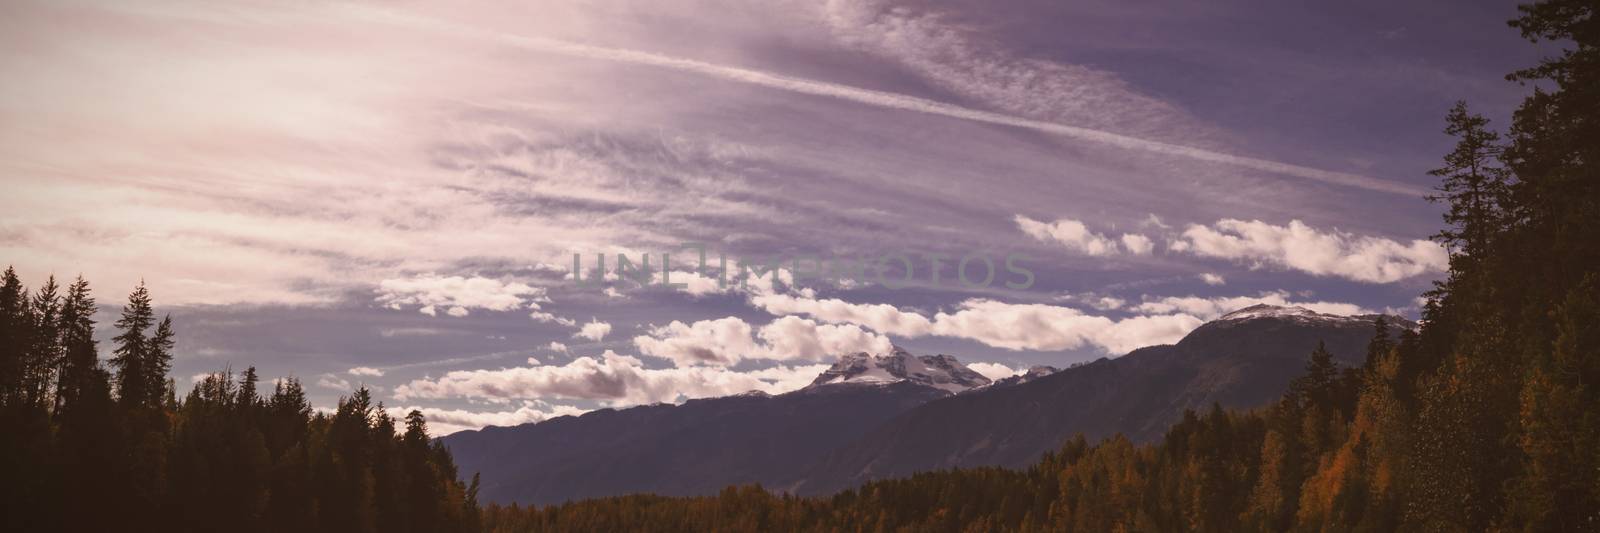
x,y
14,337
132,355
1474,184
80,358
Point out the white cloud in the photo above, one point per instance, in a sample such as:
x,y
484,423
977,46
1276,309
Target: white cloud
x,y
1137,244
697,284
994,371
998,324
719,342
613,379
446,421
365,371
335,383
557,347
1298,246
534,361
1213,307
792,337
541,316
594,330
727,341
883,318
1048,327
1213,279
455,293
1072,234
1108,303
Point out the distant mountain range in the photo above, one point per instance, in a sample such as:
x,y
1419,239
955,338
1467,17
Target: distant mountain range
x,y
889,415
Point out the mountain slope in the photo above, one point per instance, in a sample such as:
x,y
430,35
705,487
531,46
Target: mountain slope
x,y
875,416
1244,359
703,445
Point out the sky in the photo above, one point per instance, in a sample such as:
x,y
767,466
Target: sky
x,y
391,194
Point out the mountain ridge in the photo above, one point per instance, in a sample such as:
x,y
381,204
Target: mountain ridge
x,y
902,413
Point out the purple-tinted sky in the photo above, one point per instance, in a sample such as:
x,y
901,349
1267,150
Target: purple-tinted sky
x,y
390,193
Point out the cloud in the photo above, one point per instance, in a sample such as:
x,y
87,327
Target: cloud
x,y
1072,234
792,337
891,101
1108,303
365,371
727,341
1137,244
594,330
613,379
455,293
994,371
411,332
720,342
994,323
541,316
1213,279
697,284
1298,246
1214,307
1048,327
334,383
883,318
443,422
557,347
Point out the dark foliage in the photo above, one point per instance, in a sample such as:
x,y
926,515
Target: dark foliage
x,y
88,449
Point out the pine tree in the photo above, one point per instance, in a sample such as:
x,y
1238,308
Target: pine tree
x,y
14,337
131,357
45,353
158,361
1474,183
80,359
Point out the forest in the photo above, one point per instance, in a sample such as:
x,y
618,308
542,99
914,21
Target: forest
x,y
1485,419
92,445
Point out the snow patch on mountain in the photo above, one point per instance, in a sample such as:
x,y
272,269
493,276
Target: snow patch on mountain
x,y
938,371
1301,314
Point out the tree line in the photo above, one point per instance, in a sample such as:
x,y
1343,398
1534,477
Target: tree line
x,y
107,445
1487,419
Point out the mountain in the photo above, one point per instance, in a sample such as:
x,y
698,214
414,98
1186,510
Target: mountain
x,y
1032,374
942,372
886,415
1243,359
703,445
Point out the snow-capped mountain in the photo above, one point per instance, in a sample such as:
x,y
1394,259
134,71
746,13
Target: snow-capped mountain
x,y
1032,374
895,414
938,371
1303,315
1243,360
